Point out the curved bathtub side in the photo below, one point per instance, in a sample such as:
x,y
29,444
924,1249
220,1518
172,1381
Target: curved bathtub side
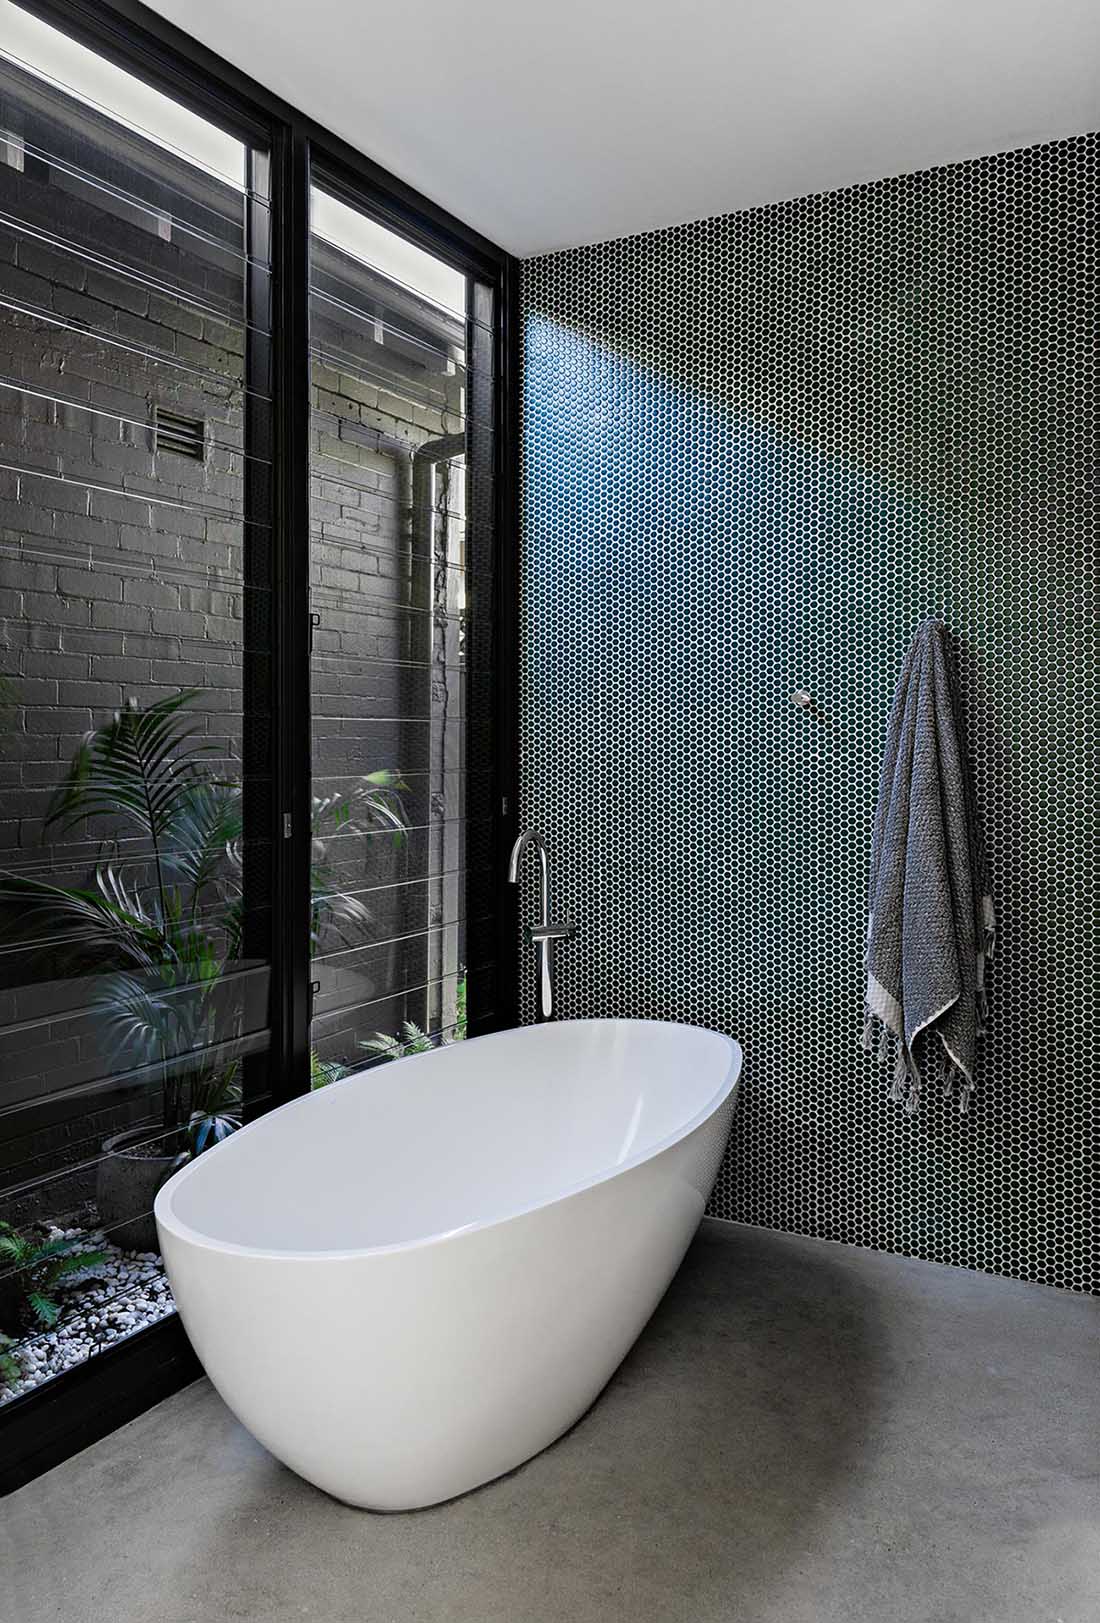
x,y
397,1380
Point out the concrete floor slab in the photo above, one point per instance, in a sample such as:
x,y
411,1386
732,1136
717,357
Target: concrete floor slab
x,y
806,1433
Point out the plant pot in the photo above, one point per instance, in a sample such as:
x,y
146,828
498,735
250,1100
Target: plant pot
x,y
127,1181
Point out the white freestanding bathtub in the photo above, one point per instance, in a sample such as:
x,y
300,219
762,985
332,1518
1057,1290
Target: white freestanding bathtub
x,y
414,1279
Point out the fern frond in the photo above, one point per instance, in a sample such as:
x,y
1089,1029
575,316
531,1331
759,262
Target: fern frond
x,y
78,1262
45,1310
13,1246
37,1254
11,1370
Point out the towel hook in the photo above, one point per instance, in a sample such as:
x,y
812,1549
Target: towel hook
x,y
806,702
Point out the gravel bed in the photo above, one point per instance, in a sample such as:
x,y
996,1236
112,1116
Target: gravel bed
x,y
125,1293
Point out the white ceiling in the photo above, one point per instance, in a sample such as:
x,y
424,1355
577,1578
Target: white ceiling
x,y
570,121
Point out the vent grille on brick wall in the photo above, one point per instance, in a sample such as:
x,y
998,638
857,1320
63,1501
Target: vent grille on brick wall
x,y
179,435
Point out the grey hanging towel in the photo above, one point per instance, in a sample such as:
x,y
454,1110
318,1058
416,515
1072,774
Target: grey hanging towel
x,y
930,928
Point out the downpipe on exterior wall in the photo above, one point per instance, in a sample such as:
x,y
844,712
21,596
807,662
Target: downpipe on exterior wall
x,y
422,465
414,473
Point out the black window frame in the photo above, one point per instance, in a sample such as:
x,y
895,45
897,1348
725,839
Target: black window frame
x,y
44,1427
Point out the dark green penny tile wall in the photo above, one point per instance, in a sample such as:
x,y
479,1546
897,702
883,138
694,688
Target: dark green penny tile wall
x,y
758,450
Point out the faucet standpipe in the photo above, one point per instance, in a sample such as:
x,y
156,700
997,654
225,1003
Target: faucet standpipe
x,y
543,935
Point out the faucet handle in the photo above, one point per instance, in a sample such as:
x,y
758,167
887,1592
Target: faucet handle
x,y
565,931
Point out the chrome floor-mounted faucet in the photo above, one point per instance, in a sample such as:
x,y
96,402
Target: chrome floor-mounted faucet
x,y
542,935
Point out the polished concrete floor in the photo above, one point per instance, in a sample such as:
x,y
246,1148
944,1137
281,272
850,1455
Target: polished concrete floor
x,y
806,1433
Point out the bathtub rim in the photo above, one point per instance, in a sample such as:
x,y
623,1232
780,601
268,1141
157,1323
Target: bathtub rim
x,y
168,1219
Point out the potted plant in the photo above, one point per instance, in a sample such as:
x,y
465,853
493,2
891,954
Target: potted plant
x,y
162,932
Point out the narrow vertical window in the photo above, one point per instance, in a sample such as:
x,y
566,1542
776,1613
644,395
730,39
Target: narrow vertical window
x,y
401,575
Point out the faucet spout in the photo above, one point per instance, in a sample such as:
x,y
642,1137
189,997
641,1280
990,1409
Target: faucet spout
x,y
531,836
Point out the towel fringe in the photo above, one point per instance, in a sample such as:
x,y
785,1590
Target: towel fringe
x,y
900,1086
891,1052
989,918
905,1082
956,1083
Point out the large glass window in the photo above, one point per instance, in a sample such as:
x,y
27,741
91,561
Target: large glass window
x,y
135,615
155,957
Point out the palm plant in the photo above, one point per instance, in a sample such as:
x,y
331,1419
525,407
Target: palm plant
x,y
374,803
163,930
